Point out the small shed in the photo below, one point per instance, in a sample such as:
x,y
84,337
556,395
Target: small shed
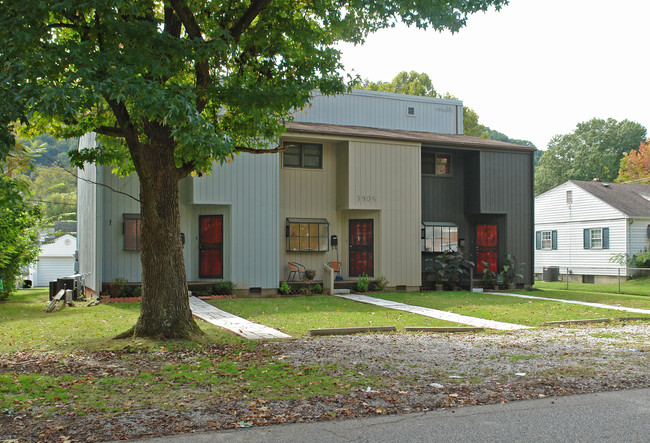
x,y
55,260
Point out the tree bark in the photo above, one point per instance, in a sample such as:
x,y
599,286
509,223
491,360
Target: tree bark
x,y
165,310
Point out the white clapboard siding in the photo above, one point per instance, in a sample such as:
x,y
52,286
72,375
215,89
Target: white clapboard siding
x,y
553,213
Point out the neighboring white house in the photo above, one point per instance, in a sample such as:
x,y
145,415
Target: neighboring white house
x,y
55,260
581,225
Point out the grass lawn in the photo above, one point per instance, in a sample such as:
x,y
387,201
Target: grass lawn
x,y
503,308
608,298
635,286
25,326
296,315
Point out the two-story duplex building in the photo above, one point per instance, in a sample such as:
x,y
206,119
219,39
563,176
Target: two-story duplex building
x,y
390,176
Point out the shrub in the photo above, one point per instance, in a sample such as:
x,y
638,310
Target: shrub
x,y
225,287
317,289
363,284
117,286
381,284
137,291
285,289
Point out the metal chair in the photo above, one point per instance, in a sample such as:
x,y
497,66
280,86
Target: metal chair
x,y
336,267
295,269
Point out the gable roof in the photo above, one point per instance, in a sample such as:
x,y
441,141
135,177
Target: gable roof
x,y
631,199
425,138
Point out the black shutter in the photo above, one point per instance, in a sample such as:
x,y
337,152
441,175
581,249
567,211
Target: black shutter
x,y
605,238
538,240
587,239
553,239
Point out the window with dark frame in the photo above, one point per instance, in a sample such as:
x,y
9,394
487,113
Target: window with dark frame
x,y
439,238
307,235
131,227
303,155
545,240
436,163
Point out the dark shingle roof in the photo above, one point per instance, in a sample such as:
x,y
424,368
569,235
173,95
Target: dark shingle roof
x,y
426,138
631,199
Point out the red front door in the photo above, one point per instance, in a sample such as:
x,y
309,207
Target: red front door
x,y
210,246
486,247
361,248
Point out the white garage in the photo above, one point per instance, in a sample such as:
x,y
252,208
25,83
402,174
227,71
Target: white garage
x,y
55,260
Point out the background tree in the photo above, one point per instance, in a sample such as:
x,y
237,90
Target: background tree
x,y
593,150
170,86
635,165
19,220
56,188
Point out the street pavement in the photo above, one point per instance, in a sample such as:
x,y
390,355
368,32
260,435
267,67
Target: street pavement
x,y
621,416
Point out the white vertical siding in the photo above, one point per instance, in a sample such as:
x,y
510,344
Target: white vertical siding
x,y
638,235
552,213
385,110
87,218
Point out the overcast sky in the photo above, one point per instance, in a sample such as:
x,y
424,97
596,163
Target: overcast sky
x,y
532,70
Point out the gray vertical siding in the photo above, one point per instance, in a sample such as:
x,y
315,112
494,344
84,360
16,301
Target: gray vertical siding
x,y
247,192
493,187
506,183
385,110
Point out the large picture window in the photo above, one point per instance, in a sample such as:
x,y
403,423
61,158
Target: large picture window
x,y
436,163
439,237
307,234
596,238
131,227
302,155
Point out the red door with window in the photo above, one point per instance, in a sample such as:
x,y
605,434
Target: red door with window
x,y
486,248
361,248
211,246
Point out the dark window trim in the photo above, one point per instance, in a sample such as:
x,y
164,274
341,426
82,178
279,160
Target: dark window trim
x,y
301,146
435,155
308,221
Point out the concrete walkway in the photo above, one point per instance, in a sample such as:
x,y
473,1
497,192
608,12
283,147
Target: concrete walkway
x,y
252,331
576,302
434,313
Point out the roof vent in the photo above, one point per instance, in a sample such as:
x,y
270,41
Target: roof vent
x,y
606,185
596,180
410,111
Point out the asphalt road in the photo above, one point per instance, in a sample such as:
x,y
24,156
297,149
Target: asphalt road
x,y
621,416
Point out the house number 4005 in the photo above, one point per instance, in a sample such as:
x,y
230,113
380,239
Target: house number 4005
x,y
366,198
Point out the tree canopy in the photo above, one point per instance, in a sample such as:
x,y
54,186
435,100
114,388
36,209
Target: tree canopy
x,y
635,165
170,86
593,150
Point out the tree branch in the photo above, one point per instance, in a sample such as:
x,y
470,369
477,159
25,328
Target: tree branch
x,y
202,68
111,131
245,20
260,151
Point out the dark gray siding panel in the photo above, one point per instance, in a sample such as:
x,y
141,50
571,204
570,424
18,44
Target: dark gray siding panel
x,y
506,183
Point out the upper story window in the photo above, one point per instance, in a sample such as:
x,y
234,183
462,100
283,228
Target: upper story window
x,y
131,229
596,238
436,163
307,234
303,155
439,237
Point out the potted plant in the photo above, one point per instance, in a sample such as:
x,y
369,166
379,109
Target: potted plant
x,y
510,271
454,265
489,279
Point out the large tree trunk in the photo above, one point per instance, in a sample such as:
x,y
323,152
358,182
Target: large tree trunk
x,y
165,311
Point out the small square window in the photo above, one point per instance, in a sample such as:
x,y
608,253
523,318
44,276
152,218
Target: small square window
x,y
303,155
435,163
131,227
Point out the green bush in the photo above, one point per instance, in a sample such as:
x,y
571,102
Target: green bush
x,y
363,284
317,289
285,289
381,284
225,287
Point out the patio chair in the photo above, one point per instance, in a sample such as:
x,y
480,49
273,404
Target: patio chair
x,y
336,267
295,269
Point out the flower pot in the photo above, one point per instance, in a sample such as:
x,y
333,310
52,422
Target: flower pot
x,y
310,274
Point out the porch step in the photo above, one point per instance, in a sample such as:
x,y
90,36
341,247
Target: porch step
x,y
340,291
